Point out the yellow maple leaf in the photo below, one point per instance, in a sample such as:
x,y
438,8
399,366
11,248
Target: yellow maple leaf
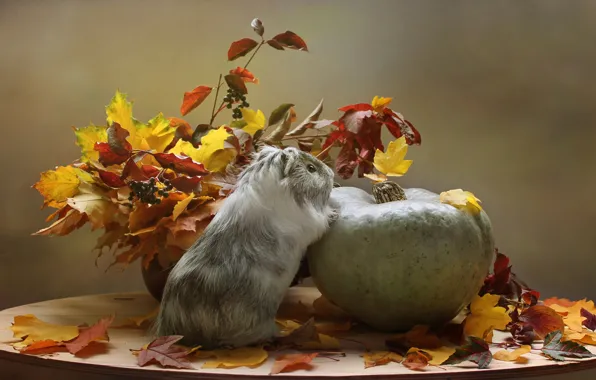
x,y
584,336
56,186
99,208
379,103
572,314
156,135
36,330
255,120
181,206
376,358
461,199
185,148
485,316
513,356
392,163
120,111
251,357
213,153
86,139
439,355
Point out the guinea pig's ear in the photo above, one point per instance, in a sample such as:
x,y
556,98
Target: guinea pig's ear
x,y
283,163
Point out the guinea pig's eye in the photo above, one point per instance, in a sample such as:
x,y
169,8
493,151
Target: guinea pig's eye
x,y
311,168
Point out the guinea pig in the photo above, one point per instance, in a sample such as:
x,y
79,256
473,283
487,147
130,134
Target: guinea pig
x,y
226,289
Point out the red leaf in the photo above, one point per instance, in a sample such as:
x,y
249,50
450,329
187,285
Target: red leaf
x,y
110,178
241,48
557,350
501,281
150,170
245,75
117,149
590,321
340,136
165,353
274,44
476,351
291,362
98,331
542,319
183,132
356,107
187,184
530,297
291,40
131,170
106,156
236,83
354,121
180,164
398,126
346,161
194,98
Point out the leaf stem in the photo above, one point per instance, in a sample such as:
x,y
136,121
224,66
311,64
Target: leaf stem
x,y
324,151
255,52
213,114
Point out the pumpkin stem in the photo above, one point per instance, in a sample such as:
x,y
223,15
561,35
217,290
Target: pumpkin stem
x,y
388,191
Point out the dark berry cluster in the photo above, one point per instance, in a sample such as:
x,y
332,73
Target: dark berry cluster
x,y
232,97
148,191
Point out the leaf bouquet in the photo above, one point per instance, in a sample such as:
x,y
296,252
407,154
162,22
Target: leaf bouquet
x,y
153,187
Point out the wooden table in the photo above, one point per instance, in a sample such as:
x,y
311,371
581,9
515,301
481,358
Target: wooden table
x,y
115,361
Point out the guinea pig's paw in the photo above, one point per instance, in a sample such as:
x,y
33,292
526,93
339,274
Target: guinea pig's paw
x,y
332,215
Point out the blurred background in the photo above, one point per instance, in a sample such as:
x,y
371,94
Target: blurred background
x,y
502,92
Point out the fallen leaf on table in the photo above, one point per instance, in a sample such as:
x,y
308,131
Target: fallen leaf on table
x,y
391,162
556,349
476,351
416,359
163,351
325,309
138,321
558,301
35,330
325,342
513,356
98,331
439,355
251,357
542,319
572,313
294,311
585,336
376,358
305,336
332,327
292,362
419,336
485,315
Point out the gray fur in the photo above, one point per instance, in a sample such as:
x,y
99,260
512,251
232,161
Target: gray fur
x,y
226,290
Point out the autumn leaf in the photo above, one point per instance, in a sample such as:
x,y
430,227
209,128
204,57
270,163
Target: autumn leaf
x,y
542,319
34,330
557,350
416,359
99,209
144,216
323,308
392,163
245,75
163,351
215,153
513,356
376,178
187,184
379,103
292,362
485,315
98,331
255,120
585,336
65,225
558,301
419,336
377,358
154,136
120,111
310,122
241,48
461,199
572,314
181,164
398,126
86,139
439,355
355,117
299,334
56,186
193,99
590,321
290,40
181,206
251,357
279,113
274,44
476,351
236,83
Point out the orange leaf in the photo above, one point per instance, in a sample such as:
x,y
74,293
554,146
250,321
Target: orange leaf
x,y
543,320
325,309
558,301
241,48
98,331
245,75
416,359
513,356
194,98
292,362
40,345
70,222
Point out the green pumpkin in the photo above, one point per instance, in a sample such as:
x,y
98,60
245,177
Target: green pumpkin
x,y
397,264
